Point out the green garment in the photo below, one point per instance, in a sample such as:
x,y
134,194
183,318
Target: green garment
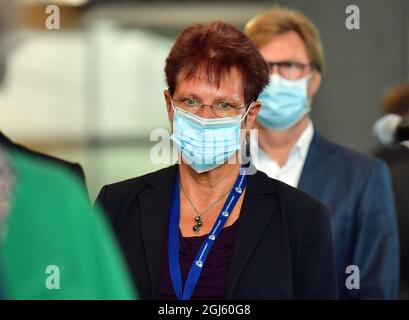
x,y
51,223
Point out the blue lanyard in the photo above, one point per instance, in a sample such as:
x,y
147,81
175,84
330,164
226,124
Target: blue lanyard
x,y
201,256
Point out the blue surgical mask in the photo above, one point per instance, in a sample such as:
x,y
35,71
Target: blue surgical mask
x,y
283,102
205,143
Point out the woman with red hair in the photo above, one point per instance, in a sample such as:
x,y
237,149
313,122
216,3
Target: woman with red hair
x,y
210,227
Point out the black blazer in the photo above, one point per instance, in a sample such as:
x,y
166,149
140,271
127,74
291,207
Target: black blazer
x,y
283,247
74,168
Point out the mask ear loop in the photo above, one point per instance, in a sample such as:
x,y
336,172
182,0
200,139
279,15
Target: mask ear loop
x,y
245,141
245,115
171,101
173,106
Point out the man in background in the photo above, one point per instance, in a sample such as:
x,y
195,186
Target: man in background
x,y
355,188
396,101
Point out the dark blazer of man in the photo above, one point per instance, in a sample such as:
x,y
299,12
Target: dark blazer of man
x,y
398,161
283,246
74,168
357,190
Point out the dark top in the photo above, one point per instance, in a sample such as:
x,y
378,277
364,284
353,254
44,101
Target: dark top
x,y
74,168
282,247
213,278
398,161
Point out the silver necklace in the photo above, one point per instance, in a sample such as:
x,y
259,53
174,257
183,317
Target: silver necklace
x,y
198,216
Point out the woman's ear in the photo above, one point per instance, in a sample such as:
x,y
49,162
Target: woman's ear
x,y
250,119
169,107
252,114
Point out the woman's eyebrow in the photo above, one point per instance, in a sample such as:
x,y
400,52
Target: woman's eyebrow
x,y
222,97
187,94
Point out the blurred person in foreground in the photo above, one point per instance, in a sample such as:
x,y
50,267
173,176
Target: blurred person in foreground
x,y
396,101
46,222
53,245
205,228
7,12
74,168
355,188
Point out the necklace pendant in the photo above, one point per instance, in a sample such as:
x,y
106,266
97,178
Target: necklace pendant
x,y
198,225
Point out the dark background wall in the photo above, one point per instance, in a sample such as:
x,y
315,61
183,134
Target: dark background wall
x,y
360,65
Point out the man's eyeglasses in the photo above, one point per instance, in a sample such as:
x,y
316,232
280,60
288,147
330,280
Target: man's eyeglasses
x,y
220,109
290,70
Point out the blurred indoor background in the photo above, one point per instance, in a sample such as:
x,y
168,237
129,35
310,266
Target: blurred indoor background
x,y
92,91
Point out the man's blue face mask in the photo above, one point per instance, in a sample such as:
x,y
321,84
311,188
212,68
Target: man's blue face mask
x,y
283,102
206,143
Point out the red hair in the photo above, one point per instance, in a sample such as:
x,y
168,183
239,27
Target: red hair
x,y
217,47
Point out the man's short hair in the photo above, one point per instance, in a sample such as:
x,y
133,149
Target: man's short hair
x,y
278,20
